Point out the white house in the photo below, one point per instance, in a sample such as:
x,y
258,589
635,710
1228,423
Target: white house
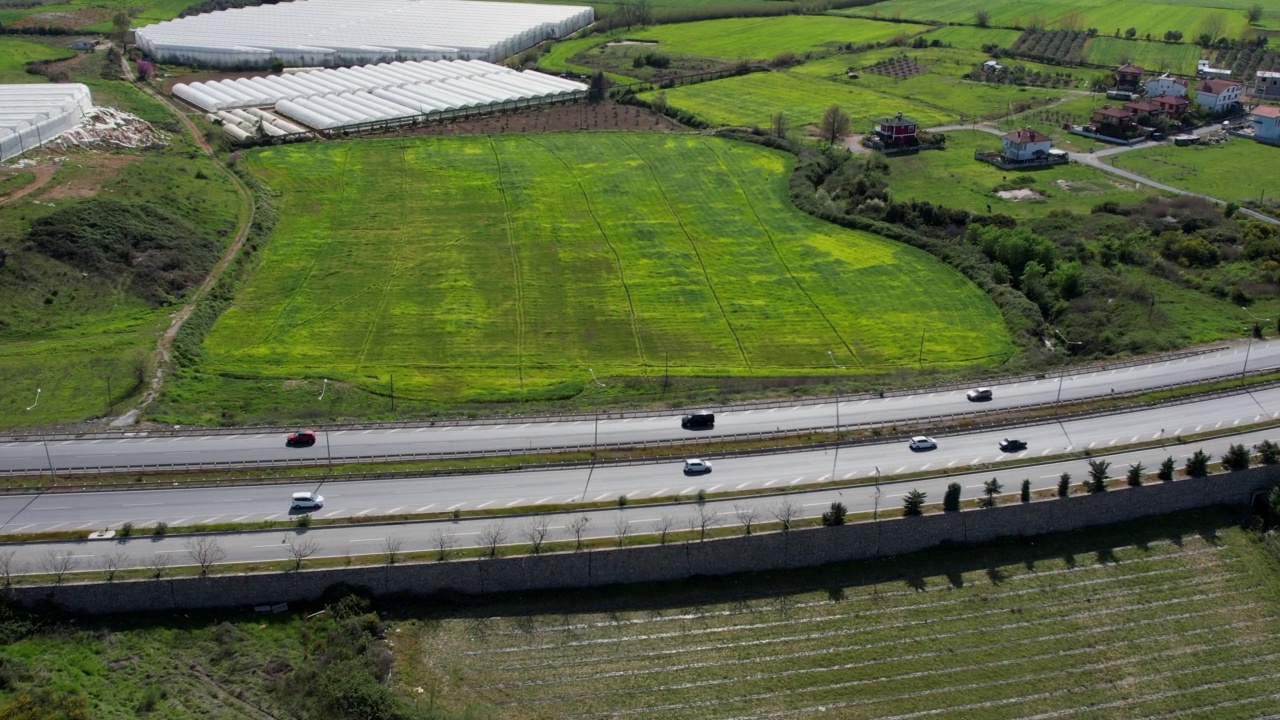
x,y
1025,144
1266,123
1166,84
1218,95
1267,85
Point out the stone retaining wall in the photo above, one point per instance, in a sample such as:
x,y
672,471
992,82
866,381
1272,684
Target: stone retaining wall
x,y
677,561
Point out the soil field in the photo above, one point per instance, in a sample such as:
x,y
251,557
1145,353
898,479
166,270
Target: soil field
x,y
763,38
506,267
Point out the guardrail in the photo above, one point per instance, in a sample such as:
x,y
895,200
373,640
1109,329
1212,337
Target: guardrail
x,y
956,425
196,431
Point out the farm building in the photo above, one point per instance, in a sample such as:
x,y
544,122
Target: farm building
x,y
382,93
1266,85
335,33
32,115
897,130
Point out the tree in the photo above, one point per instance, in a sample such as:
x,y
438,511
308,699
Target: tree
x,y
786,514
1098,473
981,17
205,552
537,533
1025,495
8,568
120,23
157,565
300,549
1064,484
665,524
491,536
111,564
835,124
1236,458
597,86
1268,452
990,489
777,127
443,541
704,518
46,704
578,527
913,503
747,517
1198,465
1165,472
1131,32
951,500
1135,474
834,516
622,529
1254,13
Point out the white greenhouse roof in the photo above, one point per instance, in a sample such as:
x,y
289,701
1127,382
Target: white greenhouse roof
x,y
346,32
328,99
32,115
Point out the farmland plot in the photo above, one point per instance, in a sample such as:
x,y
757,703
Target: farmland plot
x,y
1123,629
1154,56
488,268
763,38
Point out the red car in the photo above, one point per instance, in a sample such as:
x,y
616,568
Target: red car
x,y
302,438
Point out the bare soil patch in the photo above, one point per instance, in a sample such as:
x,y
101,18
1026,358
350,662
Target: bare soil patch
x,y
43,173
94,169
1020,195
853,143
69,19
559,118
900,68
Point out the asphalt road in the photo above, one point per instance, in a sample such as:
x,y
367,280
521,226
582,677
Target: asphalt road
x,y
196,449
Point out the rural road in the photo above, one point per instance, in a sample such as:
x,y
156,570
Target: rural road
x,y
201,448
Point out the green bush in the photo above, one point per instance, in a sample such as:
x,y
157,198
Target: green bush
x,y
1064,485
835,516
1135,474
126,530
1236,458
1165,472
161,528
1268,452
1026,491
951,500
913,503
1198,465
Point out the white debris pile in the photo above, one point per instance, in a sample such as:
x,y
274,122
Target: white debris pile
x,y
107,127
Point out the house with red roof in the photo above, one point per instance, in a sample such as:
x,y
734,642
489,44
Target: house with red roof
x,y
1113,122
1265,120
897,130
1172,106
1218,96
1166,84
1025,144
1128,78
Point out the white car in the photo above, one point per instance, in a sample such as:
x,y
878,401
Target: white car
x,y
921,442
978,394
307,501
694,466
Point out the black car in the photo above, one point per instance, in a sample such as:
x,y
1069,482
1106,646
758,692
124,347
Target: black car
x,y
302,438
1012,445
701,420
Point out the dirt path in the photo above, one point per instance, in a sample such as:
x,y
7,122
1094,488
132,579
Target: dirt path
x,y
162,357
44,173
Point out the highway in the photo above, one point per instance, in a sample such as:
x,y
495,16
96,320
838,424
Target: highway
x,y
199,448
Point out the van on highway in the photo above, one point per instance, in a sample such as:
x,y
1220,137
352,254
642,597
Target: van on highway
x,y
307,501
700,420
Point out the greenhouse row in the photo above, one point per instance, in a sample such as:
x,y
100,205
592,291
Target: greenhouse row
x,y
336,33
330,99
32,115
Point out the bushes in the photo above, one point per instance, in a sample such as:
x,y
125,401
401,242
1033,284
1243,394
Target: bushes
x,y
834,516
951,500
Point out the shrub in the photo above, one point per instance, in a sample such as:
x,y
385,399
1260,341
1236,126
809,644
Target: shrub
x,y
834,516
913,503
1268,452
1166,469
126,529
622,501
1198,465
990,489
1135,474
702,495
161,529
1064,485
1236,458
303,520
1026,491
1097,476
951,500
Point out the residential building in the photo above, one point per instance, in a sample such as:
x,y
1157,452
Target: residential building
x,y
1203,70
1172,106
1150,108
1266,123
1166,84
1218,96
897,130
1129,78
1266,85
1025,144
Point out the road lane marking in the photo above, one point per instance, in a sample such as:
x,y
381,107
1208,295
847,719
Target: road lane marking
x,y
739,486
61,508
483,505
713,487
952,463
392,511
793,482
601,497
688,490
770,483
366,540
925,466
454,507
899,470
515,502
975,460
658,492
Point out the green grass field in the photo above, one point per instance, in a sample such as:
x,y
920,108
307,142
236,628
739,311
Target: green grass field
x,y
972,38
953,178
1154,623
1222,171
15,53
95,15
1153,56
476,268
1145,15
764,37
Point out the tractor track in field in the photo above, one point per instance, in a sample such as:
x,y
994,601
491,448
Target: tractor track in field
x,y
774,244
515,265
395,266
701,263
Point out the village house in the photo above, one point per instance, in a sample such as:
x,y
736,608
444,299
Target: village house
x,y
1025,144
1266,85
1150,108
1166,84
1128,78
1172,106
897,130
1218,96
1113,122
1266,124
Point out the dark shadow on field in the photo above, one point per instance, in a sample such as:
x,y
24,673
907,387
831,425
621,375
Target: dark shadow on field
x,y
996,575
955,578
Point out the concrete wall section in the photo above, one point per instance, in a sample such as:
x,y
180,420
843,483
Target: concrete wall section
x,y
676,561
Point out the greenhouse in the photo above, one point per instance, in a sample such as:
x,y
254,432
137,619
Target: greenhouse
x,y
32,115
372,94
335,33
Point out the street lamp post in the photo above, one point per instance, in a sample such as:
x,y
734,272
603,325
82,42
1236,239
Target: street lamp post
x,y
1257,323
53,474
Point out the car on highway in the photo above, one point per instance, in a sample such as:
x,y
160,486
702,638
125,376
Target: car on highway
x,y
301,438
701,420
307,501
978,395
920,442
694,466
1012,445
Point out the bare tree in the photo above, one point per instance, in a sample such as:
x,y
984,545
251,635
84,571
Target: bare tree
x,y
443,541
301,549
786,513
111,564
835,124
665,524
205,552
58,564
536,533
778,125
157,565
622,530
578,527
747,517
8,568
391,548
491,536
704,519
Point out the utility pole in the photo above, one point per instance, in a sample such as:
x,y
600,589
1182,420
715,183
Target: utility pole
x,y
393,393
920,360
110,405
